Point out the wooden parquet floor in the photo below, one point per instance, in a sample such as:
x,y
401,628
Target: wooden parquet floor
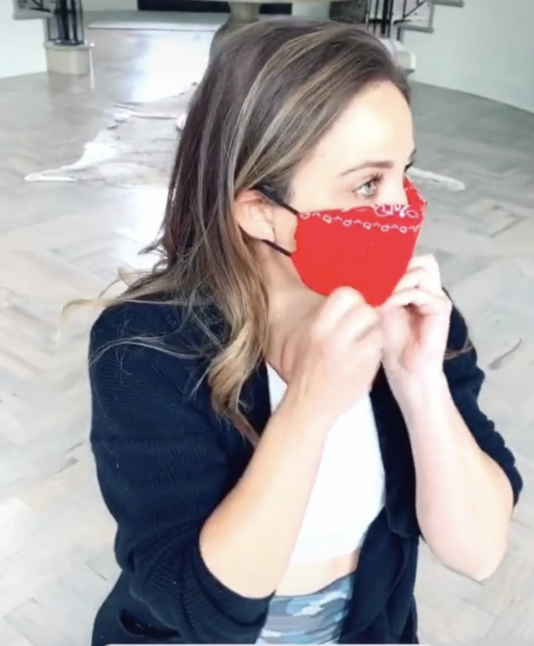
x,y
63,241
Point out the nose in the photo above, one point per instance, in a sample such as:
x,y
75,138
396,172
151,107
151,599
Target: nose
x,y
395,192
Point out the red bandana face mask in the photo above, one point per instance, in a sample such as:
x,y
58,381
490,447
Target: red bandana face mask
x,y
367,248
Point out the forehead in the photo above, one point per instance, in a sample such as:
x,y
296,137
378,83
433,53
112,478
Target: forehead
x,y
377,124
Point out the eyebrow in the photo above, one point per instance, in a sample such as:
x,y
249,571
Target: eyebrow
x,y
374,164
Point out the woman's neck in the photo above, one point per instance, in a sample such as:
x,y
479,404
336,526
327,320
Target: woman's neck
x,y
291,312
292,307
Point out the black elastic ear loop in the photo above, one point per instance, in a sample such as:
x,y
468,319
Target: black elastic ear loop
x,y
273,197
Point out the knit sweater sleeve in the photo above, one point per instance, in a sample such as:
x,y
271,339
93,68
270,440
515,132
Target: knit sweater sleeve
x,y
465,378
162,472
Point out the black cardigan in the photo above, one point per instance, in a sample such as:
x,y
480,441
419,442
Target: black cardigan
x,y
165,461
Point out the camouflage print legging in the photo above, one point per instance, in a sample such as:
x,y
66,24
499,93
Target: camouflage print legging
x,y
308,619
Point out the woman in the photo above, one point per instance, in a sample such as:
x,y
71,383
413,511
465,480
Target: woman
x,y
271,442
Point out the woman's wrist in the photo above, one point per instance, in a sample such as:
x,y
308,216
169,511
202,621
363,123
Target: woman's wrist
x,y
302,413
415,394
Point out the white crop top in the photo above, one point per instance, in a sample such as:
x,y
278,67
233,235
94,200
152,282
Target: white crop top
x,y
349,489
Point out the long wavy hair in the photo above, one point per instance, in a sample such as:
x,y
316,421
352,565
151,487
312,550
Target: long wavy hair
x,y
267,98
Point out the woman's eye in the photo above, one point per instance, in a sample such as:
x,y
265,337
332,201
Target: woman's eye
x,y
369,188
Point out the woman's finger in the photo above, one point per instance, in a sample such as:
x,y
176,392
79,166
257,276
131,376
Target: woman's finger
x,y
429,265
426,302
416,277
426,261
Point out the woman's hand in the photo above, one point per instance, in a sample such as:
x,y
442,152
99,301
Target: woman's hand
x,y
339,357
415,323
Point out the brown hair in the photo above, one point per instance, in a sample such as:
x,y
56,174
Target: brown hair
x,y
265,101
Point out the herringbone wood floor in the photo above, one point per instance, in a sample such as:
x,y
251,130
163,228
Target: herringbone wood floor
x,y
63,241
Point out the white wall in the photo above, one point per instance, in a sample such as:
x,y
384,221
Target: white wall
x,y
21,44
485,48
109,5
318,10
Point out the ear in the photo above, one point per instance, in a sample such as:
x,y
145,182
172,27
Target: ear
x,y
255,215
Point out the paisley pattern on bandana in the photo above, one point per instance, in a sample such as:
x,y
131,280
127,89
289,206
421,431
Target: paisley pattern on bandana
x,y
367,248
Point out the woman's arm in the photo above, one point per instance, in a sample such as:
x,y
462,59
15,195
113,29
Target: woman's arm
x,y
248,539
467,482
204,554
464,499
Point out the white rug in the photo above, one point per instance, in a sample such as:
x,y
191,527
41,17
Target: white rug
x,y
137,149
435,180
155,21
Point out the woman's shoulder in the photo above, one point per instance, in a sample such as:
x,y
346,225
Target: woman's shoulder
x,y
134,319
143,343
152,423
160,322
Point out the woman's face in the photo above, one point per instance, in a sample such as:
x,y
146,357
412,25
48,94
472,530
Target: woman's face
x,y
360,161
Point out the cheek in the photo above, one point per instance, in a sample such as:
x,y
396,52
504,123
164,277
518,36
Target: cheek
x,y
285,227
